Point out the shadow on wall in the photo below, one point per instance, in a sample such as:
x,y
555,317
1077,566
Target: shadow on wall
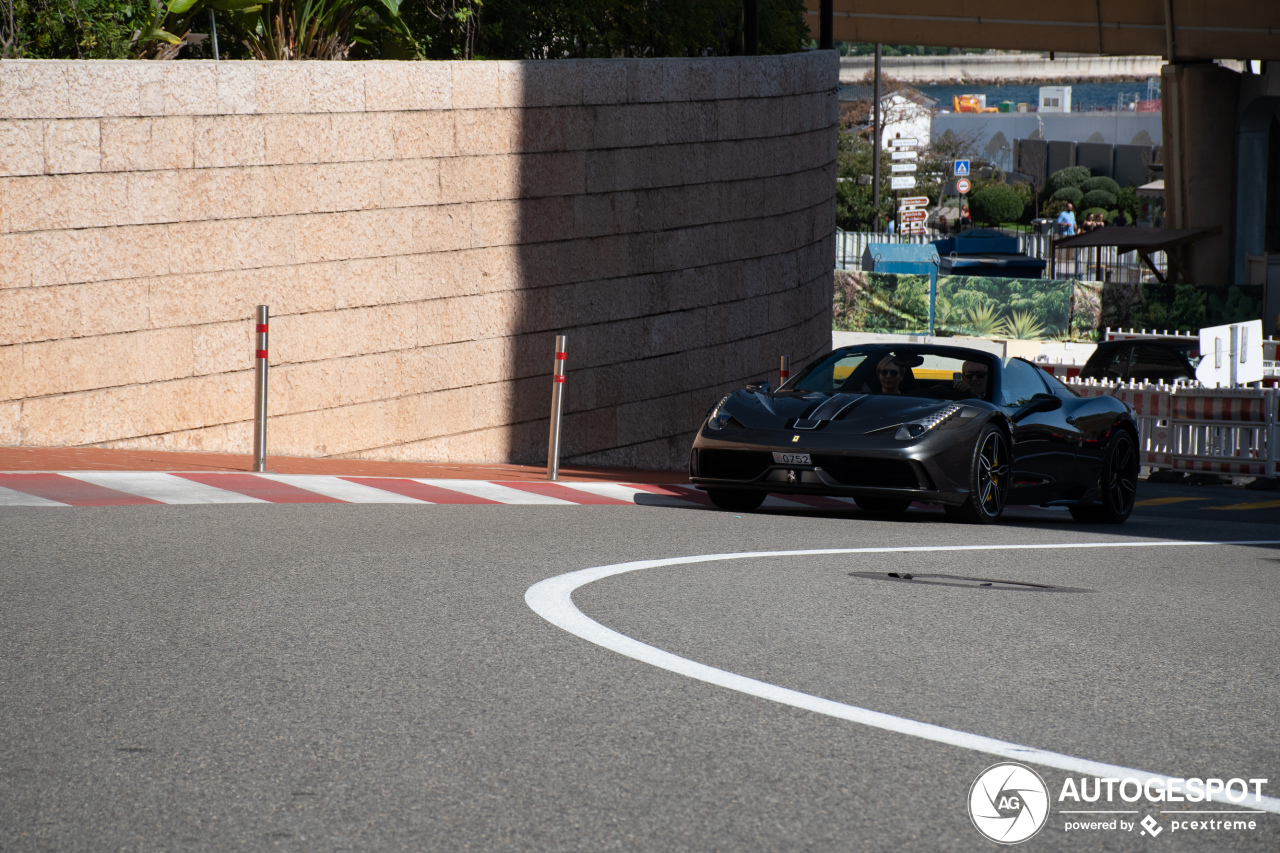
x,y
677,224
421,232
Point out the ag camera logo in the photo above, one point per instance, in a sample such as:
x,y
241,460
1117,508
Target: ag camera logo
x,y
1008,803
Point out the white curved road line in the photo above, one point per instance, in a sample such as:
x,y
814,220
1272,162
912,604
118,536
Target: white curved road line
x,y
552,599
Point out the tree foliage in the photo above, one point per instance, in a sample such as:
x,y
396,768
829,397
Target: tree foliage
x,y
1099,198
1072,176
1101,182
437,29
69,29
854,208
996,204
547,29
1070,195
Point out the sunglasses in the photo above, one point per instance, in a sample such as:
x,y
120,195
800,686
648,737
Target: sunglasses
x,y
982,375
890,373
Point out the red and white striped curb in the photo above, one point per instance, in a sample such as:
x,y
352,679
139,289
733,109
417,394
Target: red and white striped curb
x,y
121,488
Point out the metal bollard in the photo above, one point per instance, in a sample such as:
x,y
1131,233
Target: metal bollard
x,y
784,370
557,408
260,394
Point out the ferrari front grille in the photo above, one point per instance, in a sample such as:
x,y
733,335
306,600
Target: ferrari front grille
x,y
869,471
721,464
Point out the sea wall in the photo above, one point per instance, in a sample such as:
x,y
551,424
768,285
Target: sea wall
x,y
421,232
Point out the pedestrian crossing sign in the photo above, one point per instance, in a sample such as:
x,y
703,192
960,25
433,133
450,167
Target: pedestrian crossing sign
x,y
961,169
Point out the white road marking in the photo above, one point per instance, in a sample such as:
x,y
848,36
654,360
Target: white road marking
x,y
552,599
340,489
165,488
617,491
12,497
494,492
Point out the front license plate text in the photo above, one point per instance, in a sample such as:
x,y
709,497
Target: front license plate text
x,y
792,458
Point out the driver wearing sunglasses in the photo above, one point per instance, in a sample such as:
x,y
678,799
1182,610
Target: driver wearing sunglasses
x,y
891,372
974,377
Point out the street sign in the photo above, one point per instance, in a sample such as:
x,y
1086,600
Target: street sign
x,y
915,215
904,155
902,143
962,186
960,169
913,228
1230,355
913,201
902,167
903,183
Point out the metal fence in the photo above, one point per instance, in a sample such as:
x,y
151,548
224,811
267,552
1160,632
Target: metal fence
x,y
1102,264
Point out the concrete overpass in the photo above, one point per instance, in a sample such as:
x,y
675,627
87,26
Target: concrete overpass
x,y
1174,29
1221,129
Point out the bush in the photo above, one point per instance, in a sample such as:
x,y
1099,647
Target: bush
x,y
1127,200
1100,183
1099,198
995,204
1069,194
1072,176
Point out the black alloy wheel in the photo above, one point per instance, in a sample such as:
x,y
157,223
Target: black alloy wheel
x,y
736,500
1117,484
989,477
883,506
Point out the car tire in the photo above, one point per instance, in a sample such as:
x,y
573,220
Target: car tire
x,y
883,506
737,500
1117,484
989,475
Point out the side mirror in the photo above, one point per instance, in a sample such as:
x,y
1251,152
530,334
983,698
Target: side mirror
x,y
1038,403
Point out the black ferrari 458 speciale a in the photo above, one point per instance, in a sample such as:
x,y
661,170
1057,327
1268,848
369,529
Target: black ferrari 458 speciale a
x,y
888,424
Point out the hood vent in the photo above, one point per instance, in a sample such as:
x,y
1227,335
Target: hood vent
x,y
830,409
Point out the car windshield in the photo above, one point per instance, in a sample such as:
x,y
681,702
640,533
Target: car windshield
x,y
904,371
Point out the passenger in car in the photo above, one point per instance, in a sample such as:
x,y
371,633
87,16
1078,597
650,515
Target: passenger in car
x,y
894,375
974,379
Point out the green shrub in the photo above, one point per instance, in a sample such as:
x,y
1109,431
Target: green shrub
x,y
1072,176
1127,200
1100,183
1099,198
1069,194
995,204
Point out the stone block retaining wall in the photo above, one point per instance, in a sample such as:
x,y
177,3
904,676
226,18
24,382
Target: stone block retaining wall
x,y
421,231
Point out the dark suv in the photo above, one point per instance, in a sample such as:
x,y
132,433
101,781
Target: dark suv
x,y
1151,360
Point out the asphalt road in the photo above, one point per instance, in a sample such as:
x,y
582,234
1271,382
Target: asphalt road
x,y
346,677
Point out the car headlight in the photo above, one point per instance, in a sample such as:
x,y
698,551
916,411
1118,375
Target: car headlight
x,y
719,418
914,429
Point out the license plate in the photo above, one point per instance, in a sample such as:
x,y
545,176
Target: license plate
x,y
792,458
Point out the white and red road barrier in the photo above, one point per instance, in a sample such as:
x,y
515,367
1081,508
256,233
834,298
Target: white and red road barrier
x,y
1063,372
1232,431
557,409
260,391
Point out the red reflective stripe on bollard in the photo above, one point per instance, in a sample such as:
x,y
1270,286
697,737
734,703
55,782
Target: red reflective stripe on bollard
x,y
262,328
558,378
561,356
261,354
